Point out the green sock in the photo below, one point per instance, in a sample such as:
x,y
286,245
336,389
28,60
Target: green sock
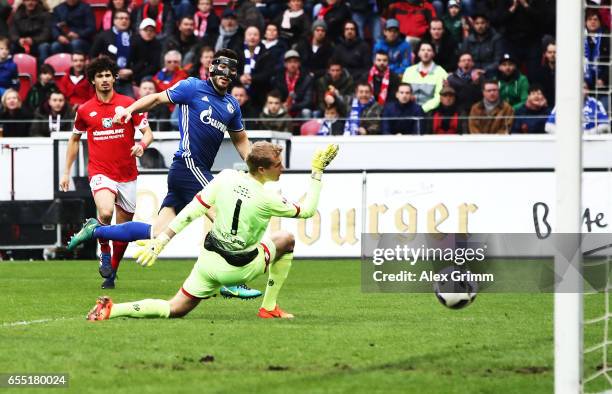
x,y
278,273
143,308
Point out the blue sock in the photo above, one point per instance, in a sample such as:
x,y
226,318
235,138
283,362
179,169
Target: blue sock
x,y
126,232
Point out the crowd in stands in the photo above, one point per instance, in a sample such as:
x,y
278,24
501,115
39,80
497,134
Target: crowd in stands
x,y
359,68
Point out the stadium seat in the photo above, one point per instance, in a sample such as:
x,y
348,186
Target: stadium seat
x,y
25,84
26,67
310,127
219,6
60,62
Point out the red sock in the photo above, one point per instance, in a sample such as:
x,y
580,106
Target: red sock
x,y
119,248
104,246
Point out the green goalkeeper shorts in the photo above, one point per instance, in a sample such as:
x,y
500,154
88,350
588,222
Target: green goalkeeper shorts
x,y
211,271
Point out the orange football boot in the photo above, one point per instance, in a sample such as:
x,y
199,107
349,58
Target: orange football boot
x,y
102,309
277,313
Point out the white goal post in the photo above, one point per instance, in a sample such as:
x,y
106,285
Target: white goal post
x,y
568,305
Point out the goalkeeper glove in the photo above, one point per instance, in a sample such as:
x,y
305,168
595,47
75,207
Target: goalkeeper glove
x,y
322,158
150,249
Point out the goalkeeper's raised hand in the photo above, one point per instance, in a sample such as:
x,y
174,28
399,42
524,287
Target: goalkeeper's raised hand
x,y
322,158
150,249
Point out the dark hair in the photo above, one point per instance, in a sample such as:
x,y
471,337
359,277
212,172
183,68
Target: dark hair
x,y
535,87
335,106
55,92
489,81
183,18
100,64
111,6
405,84
40,4
418,48
382,52
589,12
226,52
46,69
274,93
363,82
147,80
436,20
334,61
462,53
121,10
481,15
352,22
79,53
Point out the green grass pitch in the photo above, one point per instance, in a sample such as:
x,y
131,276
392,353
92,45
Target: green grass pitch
x,y
341,341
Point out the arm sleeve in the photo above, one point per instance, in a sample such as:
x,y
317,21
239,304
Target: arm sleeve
x,y
79,124
406,57
236,123
182,92
140,120
195,209
278,206
55,19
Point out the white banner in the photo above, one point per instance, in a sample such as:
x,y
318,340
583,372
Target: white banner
x,y
475,202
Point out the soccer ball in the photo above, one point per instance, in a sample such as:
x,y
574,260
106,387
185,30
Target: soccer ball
x,y
455,294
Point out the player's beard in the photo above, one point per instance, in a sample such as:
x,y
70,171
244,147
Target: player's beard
x,y
105,89
220,88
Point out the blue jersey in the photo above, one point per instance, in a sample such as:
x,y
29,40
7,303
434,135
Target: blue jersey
x,y
204,116
593,114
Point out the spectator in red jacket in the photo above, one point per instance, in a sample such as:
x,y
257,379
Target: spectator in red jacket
x,y
413,16
74,84
171,73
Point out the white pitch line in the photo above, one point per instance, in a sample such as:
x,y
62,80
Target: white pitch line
x,y
29,322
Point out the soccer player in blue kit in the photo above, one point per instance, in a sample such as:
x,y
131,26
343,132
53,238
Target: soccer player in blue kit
x,y
206,112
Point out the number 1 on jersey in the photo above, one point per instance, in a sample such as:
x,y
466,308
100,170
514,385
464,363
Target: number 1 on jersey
x,y
236,215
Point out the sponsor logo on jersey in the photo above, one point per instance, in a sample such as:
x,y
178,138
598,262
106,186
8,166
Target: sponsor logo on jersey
x,y
107,122
206,118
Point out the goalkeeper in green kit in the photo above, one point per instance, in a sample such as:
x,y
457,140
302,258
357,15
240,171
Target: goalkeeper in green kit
x,y
235,250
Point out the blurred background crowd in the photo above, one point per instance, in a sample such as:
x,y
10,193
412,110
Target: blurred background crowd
x,y
309,67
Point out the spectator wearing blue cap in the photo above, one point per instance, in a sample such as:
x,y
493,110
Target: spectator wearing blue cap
x,y
398,49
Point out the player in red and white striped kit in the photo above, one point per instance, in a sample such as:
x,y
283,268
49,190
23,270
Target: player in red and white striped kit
x,y
112,157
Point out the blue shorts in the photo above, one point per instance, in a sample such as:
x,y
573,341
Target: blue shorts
x,y
184,182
